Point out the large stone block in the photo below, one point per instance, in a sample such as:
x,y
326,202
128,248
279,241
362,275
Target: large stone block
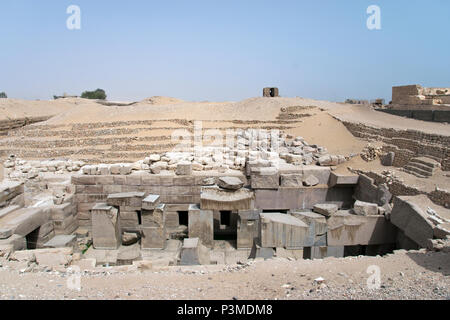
x,y
317,227
265,178
106,231
412,220
291,180
326,209
214,198
150,202
302,198
201,225
129,199
342,179
194,253
346,229
153,238
321,173
25,220
282,230
321,252
248,228
184,169
361,208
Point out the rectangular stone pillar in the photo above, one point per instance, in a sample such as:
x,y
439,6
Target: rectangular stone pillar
x,y
105,227
201,225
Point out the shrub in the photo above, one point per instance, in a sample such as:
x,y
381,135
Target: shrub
x,y
97,94
3,95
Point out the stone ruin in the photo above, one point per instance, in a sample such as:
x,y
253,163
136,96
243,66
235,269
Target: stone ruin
x,y
270,92
268,196
419,98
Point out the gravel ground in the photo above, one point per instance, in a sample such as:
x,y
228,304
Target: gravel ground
x,y
403,275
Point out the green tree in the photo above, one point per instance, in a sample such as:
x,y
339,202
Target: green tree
x,y
3,95
99,94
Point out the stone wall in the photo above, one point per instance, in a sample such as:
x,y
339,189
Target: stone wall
x,y
177,192
406,144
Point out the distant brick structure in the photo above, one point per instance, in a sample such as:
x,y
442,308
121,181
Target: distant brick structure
x,y
270,92
416,97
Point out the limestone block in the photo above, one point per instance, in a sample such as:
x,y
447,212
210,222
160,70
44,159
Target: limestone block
x,y
265,178
361,208
61,241
184,169
248,228
282,230
342,179
201,225
194,252
153,238
345,229
230,183
321,173
214,198
129,199
311,181
150,202
291,180
105,227
317,227
326,209
412,220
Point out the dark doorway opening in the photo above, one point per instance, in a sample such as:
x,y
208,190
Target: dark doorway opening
x,y
183,218
225,218
32,239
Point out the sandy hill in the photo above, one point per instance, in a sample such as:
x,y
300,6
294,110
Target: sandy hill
x,y
87,130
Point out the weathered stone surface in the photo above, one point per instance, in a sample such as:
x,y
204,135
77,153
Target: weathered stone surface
x,y
291,180
201,225
23,221
248,228
130,199
214,198
388,159
61,241
105,227
321,173
53,257
153,238
342,179
153,218
194,252
151,202
265,178
412,220
317,227
261,252
282,230
130,238
230,183
345,229
361,208
326,209
311,181
441,231
302,198
184,169
321,252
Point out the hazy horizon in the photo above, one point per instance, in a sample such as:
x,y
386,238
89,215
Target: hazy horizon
x,y
222,51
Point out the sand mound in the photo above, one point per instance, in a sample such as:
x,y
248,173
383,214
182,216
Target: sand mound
x,y
159,100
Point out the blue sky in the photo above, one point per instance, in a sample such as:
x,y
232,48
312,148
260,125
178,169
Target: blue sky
x,y
222,50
